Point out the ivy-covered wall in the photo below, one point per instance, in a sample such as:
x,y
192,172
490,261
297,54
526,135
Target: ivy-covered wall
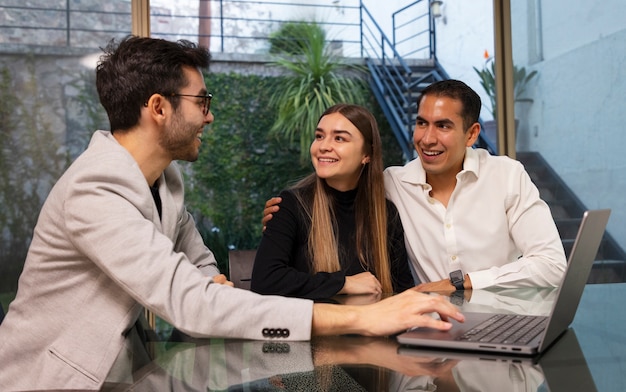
x,y
239,166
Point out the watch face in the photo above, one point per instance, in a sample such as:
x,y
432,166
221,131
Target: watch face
x,y
456,276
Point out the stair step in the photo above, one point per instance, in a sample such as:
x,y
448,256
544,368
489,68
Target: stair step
x,y
607,271
607,251
568,227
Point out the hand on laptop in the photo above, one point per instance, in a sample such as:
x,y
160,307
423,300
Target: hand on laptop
x,y
403,311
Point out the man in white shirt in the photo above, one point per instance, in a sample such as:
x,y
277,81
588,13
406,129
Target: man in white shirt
x,y
465,210
471,220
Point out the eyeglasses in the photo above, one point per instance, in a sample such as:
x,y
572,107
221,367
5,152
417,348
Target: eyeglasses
x,y
206,103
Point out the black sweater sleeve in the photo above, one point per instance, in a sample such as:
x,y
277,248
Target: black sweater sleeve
x,y
282,264
401,276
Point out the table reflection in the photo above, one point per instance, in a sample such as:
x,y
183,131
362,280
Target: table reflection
x,y
353,363
357,363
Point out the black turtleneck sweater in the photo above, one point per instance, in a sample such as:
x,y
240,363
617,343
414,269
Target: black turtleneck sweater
x,y
282,264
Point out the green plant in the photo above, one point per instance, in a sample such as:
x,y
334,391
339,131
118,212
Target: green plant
x,y
316,79
292,37
239,166
488,81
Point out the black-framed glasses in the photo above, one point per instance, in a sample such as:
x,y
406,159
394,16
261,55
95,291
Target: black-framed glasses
x,y
206,102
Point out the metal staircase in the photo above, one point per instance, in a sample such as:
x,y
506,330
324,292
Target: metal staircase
x,y
397,83
567,211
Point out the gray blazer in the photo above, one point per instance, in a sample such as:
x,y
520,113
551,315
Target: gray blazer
x,y
99,255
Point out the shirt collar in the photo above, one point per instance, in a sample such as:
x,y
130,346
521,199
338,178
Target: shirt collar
x,y
471,164
415,174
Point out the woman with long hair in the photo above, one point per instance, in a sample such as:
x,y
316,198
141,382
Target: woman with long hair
x,y
335,232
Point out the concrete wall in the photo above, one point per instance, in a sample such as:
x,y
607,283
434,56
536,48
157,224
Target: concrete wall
x,y
579,95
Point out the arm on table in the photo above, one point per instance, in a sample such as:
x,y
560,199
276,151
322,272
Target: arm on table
x,y
392,315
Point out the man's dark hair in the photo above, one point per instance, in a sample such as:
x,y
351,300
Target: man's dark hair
x,y
458,90
130,72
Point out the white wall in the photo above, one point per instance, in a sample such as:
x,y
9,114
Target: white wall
x,y
579,96
464,32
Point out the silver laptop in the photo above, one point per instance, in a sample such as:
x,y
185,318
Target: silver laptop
x,y
528,335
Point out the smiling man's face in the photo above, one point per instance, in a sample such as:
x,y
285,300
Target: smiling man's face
x,y
440,137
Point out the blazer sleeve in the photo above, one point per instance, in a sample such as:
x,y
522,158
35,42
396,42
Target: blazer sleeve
x,y
281,265
108,213
401,276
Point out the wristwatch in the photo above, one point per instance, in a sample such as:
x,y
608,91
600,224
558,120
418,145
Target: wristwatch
x,y
457,279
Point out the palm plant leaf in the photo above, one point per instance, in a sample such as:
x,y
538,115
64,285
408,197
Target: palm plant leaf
x,y
315,80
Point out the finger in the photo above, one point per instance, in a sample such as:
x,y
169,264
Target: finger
x,y
269,210
379,286
219,278
447,311
273,201
438,304
430,322
266,218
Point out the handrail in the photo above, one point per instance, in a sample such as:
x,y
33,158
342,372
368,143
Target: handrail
x,y
237,26
409,29
391,77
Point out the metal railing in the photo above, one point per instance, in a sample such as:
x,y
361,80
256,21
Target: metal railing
x,y
232,26
73,24
389,81
414,30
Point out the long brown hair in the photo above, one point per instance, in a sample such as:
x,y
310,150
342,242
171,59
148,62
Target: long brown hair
x,y
370,206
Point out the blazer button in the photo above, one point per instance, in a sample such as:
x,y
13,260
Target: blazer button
x,y
275,332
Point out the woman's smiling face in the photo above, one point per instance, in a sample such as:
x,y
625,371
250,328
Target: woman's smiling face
x,y
337,152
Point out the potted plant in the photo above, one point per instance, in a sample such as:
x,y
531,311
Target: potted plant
x,y
315,79
488,81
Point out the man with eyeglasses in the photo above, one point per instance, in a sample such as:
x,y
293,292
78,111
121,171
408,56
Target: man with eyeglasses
x,y
114,237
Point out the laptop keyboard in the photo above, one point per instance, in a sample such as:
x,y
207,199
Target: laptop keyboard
x,y
506,328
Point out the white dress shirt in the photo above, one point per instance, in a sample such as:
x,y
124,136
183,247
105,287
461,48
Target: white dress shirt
x,y
495,227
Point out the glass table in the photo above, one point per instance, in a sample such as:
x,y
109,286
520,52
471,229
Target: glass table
x,y
590,356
